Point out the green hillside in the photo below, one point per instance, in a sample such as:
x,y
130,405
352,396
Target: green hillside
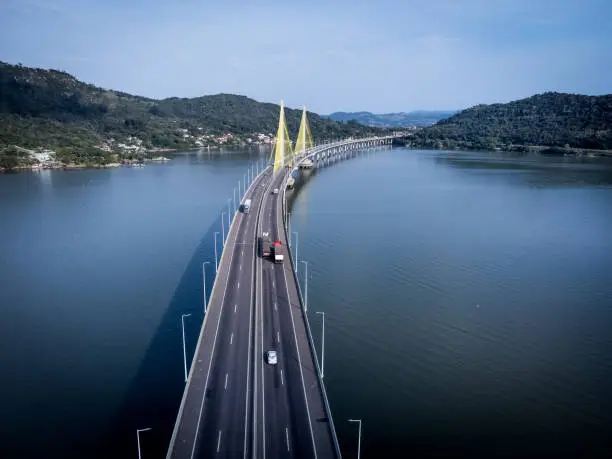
x,y
549,120
52,109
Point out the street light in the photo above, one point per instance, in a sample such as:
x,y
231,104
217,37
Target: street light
x,y
289,227
138,438
244,183
358,444
296,249
306,293
229,211
204,277
322,345
216,262
223,229
184,351
239,194
235,207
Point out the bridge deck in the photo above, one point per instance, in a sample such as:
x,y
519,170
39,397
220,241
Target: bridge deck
x,y
235,405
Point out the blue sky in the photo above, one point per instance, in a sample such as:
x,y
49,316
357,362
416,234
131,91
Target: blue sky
x,y
332,55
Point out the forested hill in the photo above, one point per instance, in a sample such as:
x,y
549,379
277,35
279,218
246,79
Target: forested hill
x,y
551,119
50,108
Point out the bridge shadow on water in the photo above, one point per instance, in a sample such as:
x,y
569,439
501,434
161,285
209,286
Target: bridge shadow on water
x,y
154,396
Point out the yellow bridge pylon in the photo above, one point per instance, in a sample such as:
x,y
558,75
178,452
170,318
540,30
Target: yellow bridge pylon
x,y
282,148
304,139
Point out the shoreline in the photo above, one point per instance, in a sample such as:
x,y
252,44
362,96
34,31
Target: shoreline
x,y
526,149
123,163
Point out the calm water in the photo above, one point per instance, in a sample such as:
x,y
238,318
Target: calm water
x,y
468,300
96,268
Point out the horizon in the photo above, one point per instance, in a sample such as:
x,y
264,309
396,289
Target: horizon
x,y
477,53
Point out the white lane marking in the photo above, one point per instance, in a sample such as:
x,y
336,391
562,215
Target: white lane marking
x,y
286,436
240,266
243,252
238,284
249,357
232,338
225,386
219,442
282,379
275,306
235,308
273,284
278,337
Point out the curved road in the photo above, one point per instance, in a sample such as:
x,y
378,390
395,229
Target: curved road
x,y
291,418
214,417
236,405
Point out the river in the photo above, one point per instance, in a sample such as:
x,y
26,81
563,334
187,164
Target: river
x,y
468,300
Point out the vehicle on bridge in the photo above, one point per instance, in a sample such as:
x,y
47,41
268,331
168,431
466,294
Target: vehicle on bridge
x,y
271,357
275,191
278,252
246,206
264,245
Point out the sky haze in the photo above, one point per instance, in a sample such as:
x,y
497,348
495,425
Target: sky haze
x,y
380,56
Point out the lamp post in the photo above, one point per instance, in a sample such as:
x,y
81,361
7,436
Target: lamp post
x,y
244,181
229,212
204,279
216,262
322,345
289,227
184,351
296,249
358,421
235,206
222,229
306,291
239,194
138,438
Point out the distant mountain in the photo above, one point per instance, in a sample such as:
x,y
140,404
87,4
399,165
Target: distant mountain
x,y
50,108
393,120
552,119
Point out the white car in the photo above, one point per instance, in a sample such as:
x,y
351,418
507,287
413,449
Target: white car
x,y
271,357
275,191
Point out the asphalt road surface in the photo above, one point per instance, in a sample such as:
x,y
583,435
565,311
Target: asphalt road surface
x,y
236,405
291,419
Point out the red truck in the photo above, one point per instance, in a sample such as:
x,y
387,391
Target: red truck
x,y
277,252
